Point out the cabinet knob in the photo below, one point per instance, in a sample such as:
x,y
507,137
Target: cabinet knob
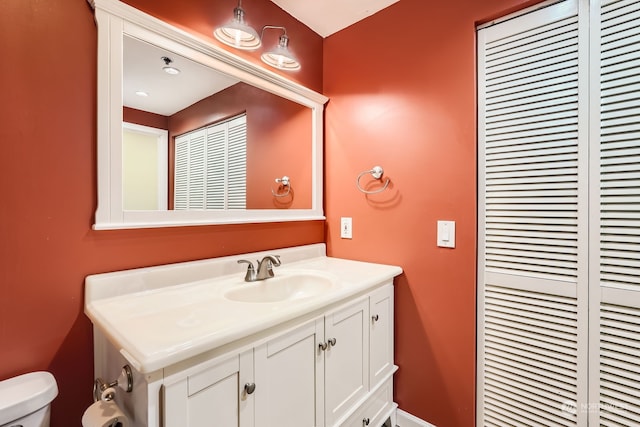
x,y
322,346
250,387
365,421
375,317
332,341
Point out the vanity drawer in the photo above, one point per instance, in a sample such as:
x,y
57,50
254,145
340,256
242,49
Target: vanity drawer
x,y
376,409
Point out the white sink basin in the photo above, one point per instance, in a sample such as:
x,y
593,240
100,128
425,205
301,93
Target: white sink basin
x,y
281,288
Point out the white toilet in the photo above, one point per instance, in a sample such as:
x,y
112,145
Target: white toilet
x,y
25,400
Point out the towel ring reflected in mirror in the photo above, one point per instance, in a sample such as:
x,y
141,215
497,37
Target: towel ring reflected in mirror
x,y
285,182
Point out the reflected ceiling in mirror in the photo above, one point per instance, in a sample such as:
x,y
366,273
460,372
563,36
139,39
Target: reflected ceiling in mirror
x,y
283,130
166,93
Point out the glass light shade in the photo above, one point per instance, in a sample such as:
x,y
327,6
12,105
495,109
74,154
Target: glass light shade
x,y
237,33
280,57
171,70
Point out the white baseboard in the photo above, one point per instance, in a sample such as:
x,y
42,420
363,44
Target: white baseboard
x,y
405,419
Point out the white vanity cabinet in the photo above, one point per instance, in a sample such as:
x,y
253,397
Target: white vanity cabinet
x,y
332,370
311,347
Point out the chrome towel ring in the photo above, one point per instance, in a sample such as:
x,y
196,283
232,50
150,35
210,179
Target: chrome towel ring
x,y
285,181
376,172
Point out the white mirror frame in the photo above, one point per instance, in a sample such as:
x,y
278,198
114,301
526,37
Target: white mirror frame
x,y
115,20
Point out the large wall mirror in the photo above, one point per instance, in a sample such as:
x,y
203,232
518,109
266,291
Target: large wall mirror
x,y
190,134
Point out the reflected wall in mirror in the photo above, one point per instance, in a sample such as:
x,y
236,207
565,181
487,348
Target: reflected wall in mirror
x,y
136,96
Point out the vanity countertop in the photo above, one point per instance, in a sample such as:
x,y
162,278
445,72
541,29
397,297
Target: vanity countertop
x,y
159,316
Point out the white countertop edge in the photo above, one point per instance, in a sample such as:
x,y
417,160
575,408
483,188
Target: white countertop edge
x,y
355,277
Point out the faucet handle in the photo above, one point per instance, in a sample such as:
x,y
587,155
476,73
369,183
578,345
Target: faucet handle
x,y
250,276
265,266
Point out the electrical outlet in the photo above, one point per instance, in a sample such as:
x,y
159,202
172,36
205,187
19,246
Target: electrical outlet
x,y
346,228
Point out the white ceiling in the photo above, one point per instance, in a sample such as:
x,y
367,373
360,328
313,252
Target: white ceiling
x,y
167,94
326,17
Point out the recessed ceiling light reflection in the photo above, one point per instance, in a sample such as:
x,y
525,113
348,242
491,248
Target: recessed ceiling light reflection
x,y
168,68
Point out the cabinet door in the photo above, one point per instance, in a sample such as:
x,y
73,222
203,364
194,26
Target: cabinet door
x,y
214,396
381,337
346,358
289,379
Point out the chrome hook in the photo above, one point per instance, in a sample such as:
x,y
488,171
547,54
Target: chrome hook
x,y
285,181
376,172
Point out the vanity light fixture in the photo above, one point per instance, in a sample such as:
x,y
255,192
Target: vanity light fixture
x,y
237,33
142,93
168,68
280,57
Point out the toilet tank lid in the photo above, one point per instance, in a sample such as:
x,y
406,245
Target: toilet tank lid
x,y
24,394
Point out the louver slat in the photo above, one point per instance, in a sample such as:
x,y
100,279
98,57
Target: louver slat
x,y
216,166
531,84
620,363
529,216
529,108
619,376
616,13
197,162
534,402
530,355
181,178
519,147
513,370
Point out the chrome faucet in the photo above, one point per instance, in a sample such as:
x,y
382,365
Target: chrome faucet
x,y
265,268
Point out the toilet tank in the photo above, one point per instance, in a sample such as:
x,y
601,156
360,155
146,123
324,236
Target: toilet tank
x,y
25,400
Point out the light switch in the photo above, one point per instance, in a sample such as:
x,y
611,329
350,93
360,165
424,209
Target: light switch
x,y
446,234
346,228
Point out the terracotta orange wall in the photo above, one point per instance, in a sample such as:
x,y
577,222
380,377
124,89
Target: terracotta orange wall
x,y
144,118
278,142
402,95
48,180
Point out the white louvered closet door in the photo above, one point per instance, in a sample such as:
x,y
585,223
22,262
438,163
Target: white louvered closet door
x,y
615,210
211,167
533,219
